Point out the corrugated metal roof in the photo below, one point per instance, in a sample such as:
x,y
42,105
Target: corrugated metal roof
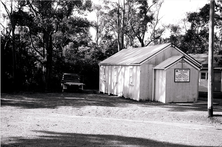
x,y
168,62
203,59
133,55
172,60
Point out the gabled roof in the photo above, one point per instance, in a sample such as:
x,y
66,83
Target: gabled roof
x,y
168,62
134,55
173,60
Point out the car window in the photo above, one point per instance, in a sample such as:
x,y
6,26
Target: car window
x,y
71,78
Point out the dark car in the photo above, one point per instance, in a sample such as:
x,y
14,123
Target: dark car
x,y
71,82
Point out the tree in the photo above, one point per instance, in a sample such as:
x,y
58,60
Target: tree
x,y
196,38
106,26
139,21
142,21
51,19
12,24
43,29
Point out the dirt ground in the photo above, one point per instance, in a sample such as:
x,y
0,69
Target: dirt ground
x,y
90,119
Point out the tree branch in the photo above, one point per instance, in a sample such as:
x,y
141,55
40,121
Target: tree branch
x,y
138,37
34,46
32,8
6,9
153,34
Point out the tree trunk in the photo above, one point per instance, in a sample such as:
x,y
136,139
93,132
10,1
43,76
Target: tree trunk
x,y
141,41
49,62
13,59
123,26
118,28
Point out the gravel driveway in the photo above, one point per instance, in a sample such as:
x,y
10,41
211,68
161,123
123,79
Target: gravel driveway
x,y
86,119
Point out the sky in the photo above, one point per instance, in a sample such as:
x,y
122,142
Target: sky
x,y
172,11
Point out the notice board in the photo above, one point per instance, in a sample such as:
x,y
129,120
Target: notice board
x,y
181,75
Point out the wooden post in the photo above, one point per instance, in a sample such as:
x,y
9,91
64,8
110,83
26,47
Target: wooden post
x,y
210,60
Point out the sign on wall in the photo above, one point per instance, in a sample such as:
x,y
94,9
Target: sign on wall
x,y
181,75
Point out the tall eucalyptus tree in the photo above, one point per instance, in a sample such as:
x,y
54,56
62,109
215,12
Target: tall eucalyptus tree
x,y
139,22
49,26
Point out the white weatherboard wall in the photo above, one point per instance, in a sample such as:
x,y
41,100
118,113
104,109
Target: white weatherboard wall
x,y
182,92
146,86
120,80
167,90
203,81
203,75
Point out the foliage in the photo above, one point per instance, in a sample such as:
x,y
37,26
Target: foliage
x,y
195,40
44,39
135,22
45,30
142,20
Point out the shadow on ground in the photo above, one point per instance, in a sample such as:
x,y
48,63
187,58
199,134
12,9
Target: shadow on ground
x,y
200,105
52,139
54,100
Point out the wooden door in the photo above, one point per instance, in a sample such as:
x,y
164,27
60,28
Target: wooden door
x,y
217,81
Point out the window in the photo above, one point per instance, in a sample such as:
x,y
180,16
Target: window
x,y
103,73
203,75
131,76
115,76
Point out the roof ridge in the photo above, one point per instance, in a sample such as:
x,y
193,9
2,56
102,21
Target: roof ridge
x,y
134,56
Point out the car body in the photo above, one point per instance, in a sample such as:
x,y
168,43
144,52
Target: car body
x,y
71,82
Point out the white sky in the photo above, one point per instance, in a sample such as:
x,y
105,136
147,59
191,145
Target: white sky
x,y
173,11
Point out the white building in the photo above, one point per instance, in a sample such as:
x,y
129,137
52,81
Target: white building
x,y
133,73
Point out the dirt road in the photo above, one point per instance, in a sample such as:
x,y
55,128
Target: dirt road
x,y
72,119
